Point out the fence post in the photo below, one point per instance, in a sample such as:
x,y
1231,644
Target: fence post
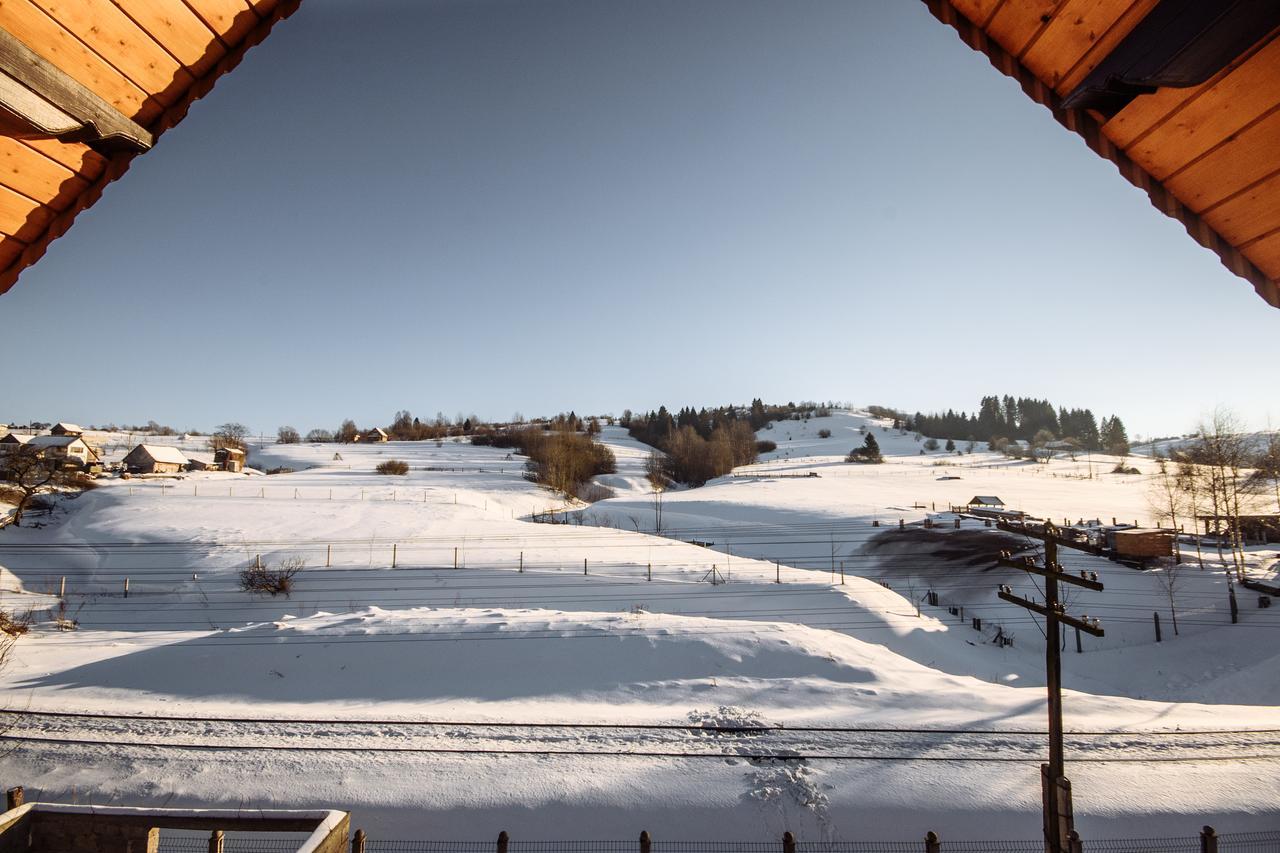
x,y
931,842
649,572
1156,616
1208,840
215,841
522,562
455,557
502,841
15,797
357,843
1231,599
902,524
126,587
788,842
62,587
645,842
328,555
584,566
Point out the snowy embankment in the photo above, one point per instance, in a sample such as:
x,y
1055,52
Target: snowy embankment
x,y
613,624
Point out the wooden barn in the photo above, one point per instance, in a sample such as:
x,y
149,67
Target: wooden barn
x,y
64,428
229,459
375,435
155,459
1182,96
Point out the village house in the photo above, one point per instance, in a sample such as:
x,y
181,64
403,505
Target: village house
x,y
64,428
11,440
64,451
154,459
376,434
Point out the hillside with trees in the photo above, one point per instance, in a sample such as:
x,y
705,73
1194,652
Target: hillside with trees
x,y
1005,419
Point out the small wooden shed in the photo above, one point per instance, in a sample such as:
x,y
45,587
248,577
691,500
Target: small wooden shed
x,y
1141,542
376,434
986,502
229,459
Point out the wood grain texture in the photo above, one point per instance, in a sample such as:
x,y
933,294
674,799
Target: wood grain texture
x,y
1064,41
1209,117
34,175
1102,45
1017,23
22,217
232,20
1266,254
76,156
1244,158
34,28
108,32
1248,214
177,30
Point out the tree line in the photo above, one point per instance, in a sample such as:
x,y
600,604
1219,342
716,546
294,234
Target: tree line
x,y
1023,419
702,444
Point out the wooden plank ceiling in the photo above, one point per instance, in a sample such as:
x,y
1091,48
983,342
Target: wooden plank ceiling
x,y
1207,155
148,60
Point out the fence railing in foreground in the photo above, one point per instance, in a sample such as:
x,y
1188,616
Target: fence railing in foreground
x,y
1208,841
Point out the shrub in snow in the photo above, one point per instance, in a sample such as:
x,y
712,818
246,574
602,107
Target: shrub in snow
x,y
824,433
766,446
393,466
592,492
931,444
261,577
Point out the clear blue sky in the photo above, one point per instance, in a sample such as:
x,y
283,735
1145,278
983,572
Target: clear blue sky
x,y
493,206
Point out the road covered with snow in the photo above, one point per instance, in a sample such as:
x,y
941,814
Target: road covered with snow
x,y
769,659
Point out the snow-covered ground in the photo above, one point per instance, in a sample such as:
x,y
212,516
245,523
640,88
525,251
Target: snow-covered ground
x,y
435,598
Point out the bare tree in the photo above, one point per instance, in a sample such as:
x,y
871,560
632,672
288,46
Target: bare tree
x,y
1169,578
1221,454
655,470
30,475
287,435
230,434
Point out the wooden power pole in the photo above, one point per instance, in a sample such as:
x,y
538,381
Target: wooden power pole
x,y
1059,829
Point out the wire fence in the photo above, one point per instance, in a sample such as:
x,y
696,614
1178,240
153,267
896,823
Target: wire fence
x,y
1240,842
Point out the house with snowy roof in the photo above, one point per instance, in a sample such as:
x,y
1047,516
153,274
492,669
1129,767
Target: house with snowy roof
x,y
64,451
155,459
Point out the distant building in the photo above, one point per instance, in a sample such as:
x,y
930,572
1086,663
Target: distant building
x,y
64,428
229,459
155,459
64,451
986,502
10,440
376,434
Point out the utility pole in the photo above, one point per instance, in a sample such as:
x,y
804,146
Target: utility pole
x,y
1059,829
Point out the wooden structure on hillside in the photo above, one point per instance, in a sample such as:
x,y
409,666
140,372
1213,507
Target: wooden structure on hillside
x,y
86,86
229,459
64,428
1183,96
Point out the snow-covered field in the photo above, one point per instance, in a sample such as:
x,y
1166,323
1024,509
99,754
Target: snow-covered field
x,y
432,606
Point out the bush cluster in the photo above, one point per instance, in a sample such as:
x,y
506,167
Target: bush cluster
x,y
397,467
260,577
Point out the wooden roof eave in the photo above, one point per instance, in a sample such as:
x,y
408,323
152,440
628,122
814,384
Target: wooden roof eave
x,y
1088,126
119,160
